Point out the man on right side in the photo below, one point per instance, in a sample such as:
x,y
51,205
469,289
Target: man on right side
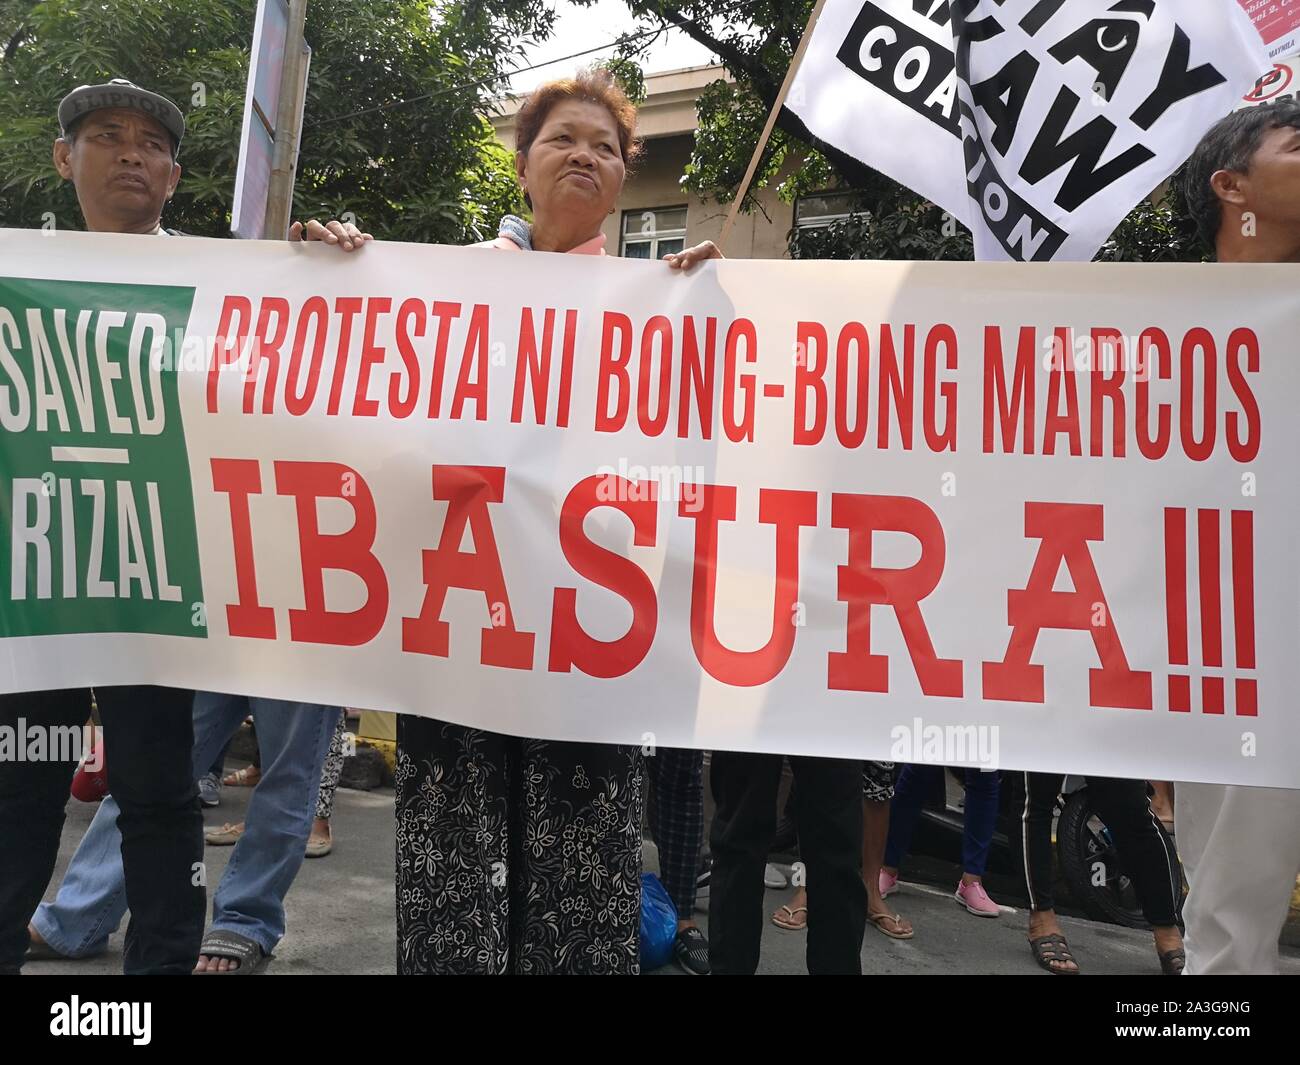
x,y
1241,846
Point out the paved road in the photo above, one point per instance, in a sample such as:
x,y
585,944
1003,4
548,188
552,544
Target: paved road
x,y
341,914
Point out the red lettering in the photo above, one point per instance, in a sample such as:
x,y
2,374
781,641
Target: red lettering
x,y
1243,449
314,311
533,367
789,511
266,349
809,369
467,491
995,387
937,439
1202,449
347,308
1065,529
570,644
1107,386
350,552
862,585
654,424
411,316
1152,447
362,405
613,372
473,387
240,478
224,352
1061,381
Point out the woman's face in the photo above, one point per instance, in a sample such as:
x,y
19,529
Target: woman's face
x,y
575,165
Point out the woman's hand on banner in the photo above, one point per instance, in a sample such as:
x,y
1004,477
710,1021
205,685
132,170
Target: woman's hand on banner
x,y
684,260
344,234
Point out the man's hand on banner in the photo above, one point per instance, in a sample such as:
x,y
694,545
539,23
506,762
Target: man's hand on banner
x,y
344,234
684,260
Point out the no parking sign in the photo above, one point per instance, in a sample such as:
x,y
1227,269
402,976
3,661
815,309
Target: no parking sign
x,y
1280,83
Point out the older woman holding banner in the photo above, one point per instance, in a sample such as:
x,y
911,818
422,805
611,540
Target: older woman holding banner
x,y
471,896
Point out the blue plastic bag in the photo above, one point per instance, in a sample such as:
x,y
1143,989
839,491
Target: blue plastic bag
x,y
658,924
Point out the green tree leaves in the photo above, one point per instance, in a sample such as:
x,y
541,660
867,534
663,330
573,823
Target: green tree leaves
x,y
393,129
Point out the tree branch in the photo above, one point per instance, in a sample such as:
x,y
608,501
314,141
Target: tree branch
x,y
732,56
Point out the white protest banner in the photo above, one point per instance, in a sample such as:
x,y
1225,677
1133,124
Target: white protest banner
x,y
1038,516
1050,121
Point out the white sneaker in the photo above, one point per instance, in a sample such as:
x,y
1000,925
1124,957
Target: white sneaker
x,y
773,877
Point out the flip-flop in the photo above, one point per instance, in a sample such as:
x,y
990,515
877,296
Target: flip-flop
x,y
877,920
221,943
1047,949
789,923
239,778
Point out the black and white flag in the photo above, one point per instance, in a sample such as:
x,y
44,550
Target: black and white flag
x,y
1036,123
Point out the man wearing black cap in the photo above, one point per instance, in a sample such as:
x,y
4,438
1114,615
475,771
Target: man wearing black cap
x,y
118,147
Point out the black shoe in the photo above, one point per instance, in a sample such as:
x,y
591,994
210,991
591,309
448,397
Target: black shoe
x,y
691,950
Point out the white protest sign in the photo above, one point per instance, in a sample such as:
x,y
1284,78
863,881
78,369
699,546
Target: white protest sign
x,y
1037,123
1045,512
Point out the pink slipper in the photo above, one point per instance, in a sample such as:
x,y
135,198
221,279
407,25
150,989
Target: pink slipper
x,y
976,900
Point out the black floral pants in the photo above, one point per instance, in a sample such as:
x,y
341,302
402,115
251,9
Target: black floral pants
x,y
515,855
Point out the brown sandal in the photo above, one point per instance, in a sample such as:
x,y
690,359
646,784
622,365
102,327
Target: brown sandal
x,y
1053,948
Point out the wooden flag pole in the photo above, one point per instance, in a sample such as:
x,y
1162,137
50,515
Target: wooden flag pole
x,y
771,123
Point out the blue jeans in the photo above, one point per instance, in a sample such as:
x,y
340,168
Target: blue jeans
x,y
294,738
981,814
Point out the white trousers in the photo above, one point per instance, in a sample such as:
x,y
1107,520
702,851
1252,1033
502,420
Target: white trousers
x,y
1241,849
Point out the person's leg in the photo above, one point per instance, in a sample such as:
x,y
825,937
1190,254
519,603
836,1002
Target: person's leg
x,y
33,795
677,824
218,767
1242,865
1148,855
910,790
979,822
453,848
576,888
1162,802
330,774
149,754
294,739
321,840
1041,791
744,822
878,787
92,898
830,841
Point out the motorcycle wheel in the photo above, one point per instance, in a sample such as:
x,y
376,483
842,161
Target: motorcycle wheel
x,y
1091,866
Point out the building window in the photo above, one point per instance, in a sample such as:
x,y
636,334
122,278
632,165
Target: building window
x,y
653,233
823,208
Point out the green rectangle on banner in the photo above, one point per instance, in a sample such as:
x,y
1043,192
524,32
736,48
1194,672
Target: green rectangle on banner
x,y
95,496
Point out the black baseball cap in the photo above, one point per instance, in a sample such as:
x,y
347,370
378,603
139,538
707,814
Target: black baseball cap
x,y
121,93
